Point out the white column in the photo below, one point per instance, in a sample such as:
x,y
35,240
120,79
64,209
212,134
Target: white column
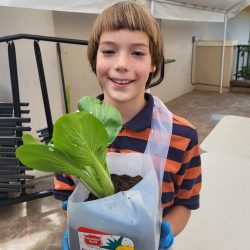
x,y
223,53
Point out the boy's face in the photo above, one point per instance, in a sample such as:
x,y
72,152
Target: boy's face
x,y
123,66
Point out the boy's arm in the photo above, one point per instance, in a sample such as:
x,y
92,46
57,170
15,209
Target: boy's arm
x,y
178,217
63,186
187,187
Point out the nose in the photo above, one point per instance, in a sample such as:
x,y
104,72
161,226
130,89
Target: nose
x,y
122,62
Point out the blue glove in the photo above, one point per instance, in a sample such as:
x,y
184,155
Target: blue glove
x,y
167,237
65,205
65,244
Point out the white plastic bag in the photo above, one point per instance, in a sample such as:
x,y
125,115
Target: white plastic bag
x,y
134,215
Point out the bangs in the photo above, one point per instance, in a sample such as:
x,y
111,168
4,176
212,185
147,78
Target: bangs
x,y
124,16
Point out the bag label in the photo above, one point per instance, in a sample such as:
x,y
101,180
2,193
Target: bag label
x,y
90,239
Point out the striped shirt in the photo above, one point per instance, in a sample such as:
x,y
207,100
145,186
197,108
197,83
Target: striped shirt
x,y
182,177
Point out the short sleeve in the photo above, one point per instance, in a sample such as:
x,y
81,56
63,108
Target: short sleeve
x,y
188,186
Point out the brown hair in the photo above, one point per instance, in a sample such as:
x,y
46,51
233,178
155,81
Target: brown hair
x,y
131,16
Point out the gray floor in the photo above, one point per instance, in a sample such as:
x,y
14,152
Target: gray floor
x,y
204,109
39,224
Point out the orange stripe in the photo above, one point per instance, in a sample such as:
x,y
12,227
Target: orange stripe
x,y
167,187
181,121
62,186
193,173
190,174
111,150
138,135
187,194
172,166
122,151
169,204
178,179
179,142
195,151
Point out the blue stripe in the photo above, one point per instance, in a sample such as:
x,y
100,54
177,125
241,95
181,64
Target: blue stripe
x,y
192,203
184,131
61,195
188,184
130,143
167,197
193,163
167,177
194,140
138,145
175,154
65,179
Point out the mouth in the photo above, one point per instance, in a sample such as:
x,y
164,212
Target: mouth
x,y
121,81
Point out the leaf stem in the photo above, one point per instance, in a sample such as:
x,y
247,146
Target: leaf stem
x,y
104,178
92,185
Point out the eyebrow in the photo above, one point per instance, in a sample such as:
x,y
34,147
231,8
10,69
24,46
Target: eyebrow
x,y
133,44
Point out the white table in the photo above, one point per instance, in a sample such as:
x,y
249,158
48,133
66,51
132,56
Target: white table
x,y
230,136
223,220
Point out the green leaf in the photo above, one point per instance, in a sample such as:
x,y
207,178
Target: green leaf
x,y
85,139
82,136
78,146
29,139
49,159
44,158
107,114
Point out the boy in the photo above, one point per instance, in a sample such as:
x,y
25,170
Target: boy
x,y
125,52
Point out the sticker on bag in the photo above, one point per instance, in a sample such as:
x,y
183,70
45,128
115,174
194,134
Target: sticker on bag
x,y
90,239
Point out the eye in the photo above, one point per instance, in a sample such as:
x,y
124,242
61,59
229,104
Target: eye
x,y
108,52
138,53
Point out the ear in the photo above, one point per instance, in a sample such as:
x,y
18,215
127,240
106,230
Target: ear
x,y
153,69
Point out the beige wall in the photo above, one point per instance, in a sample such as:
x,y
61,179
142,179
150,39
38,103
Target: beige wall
x,y
16,21
208,60
77,71
177,36
178,46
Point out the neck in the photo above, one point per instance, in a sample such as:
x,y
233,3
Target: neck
x,y
128,110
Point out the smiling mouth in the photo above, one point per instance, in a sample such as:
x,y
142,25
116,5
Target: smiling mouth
x,y
122,82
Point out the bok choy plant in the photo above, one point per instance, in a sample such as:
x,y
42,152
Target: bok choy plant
x,y
78,146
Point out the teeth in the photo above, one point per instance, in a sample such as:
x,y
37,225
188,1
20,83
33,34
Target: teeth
x,y
123,82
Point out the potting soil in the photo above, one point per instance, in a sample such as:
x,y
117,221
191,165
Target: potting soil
x,y
121,183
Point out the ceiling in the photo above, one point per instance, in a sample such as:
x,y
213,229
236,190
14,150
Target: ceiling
x,y
190,10
219,5
198,10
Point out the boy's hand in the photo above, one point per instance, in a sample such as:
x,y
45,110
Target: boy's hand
x,y
167,237
65,245
65,205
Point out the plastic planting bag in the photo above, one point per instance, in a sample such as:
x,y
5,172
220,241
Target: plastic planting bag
x,y
130,219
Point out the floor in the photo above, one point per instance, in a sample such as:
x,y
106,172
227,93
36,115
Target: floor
x,y
39,224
